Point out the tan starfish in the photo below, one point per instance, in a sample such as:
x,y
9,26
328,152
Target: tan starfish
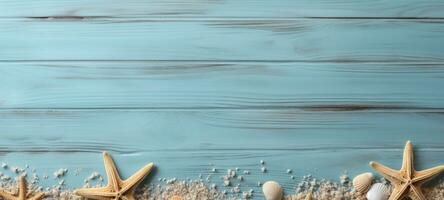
x,y
23,193
117,189
407,182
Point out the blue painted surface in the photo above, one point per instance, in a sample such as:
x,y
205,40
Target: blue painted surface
x,y
318,87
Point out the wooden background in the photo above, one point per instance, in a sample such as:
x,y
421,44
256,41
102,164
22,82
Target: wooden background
x,y
318,86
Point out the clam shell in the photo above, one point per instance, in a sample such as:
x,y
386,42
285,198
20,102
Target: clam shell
x,y
272,190
378,191
362,182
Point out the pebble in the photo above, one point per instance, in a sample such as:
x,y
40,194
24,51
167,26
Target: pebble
x,y
344,179
247,194
5,178
170,181
231,173
208,179
227,183
15,170
263,169
237,189
61,172
93,176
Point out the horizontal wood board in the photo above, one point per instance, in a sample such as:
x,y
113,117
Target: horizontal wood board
x,y
320,87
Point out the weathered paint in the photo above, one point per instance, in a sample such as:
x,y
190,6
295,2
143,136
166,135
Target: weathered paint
x,y
222,85
222,8
184,142
319,87
315,40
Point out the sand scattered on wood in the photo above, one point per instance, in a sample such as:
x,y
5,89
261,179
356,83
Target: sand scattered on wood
x,y
202,188
199,190
343,190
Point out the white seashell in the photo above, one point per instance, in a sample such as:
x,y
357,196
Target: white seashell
x,y
272,190
378,191
362,182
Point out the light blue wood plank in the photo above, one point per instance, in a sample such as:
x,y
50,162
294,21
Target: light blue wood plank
x,y
222,85
90,130
164,39
222,8
183,143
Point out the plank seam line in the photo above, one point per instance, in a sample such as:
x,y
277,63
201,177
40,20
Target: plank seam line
x,y
246,108
67,150
214,18
342,61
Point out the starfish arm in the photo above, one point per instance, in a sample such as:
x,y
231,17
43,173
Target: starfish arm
x,y
95,193
416,194
426,175
22,187
390,174
136,178
111,171
28,193
37,196
6,195
399,192
407,162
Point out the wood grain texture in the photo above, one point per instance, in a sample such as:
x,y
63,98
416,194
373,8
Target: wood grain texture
x,y
317,86
317,40
183,143
222,85
222,8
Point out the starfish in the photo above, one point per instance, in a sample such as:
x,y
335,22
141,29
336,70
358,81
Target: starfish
x,y
23,194
117,189
407,182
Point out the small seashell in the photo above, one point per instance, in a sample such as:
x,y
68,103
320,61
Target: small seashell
x,y
272,190
176,197
362,182
378,191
